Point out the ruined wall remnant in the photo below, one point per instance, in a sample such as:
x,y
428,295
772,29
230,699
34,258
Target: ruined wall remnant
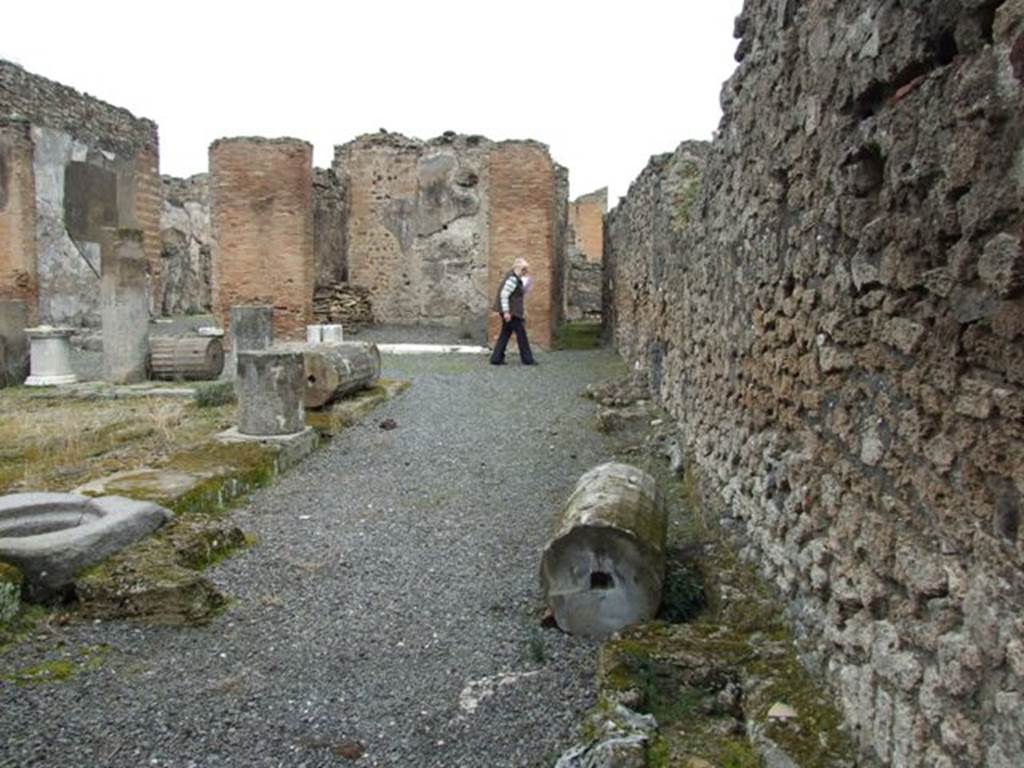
x,y
330,251
94,167
420,226
524,222
417,226
586,217
838,326
261,198
186,246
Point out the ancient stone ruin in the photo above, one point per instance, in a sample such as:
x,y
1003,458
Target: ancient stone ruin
x,y
829,300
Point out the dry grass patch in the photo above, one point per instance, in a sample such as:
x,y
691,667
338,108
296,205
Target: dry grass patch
x,y
55,445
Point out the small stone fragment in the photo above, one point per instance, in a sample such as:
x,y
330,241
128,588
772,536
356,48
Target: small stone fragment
x,y
781,712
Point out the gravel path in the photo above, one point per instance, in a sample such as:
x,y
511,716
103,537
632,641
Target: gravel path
x,y
391,602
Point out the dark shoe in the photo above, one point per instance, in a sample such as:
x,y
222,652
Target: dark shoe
x,y
497,362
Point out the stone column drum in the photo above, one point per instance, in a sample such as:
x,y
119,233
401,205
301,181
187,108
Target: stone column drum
x,y
50,357
251,329
124,308
14,354
270,387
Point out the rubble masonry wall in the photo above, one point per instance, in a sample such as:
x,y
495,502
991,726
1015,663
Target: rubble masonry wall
x,y
834,315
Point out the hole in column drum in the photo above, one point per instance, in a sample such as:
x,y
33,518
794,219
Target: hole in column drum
x,y
601,580
311,379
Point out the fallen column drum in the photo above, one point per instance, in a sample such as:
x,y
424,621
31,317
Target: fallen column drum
x,y
335,370
185,358
605,565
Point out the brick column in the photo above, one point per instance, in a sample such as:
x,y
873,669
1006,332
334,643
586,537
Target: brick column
x,y
17,215
261,200
523,224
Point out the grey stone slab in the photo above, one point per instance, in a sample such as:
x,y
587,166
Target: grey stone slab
x,y
52,536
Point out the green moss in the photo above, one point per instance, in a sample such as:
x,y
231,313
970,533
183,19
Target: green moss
x,y
737,753
578,336
22,625
659,753
10,575
59,670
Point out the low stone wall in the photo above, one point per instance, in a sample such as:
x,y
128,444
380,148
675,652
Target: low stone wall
x,y
835,318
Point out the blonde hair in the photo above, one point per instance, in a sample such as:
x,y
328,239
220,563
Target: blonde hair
x,y
519,264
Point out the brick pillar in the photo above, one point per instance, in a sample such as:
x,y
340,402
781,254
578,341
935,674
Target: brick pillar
x,y
523,224
18,278
261,200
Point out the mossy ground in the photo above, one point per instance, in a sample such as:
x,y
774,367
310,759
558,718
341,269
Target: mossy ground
x,y
578,336
720,654
66,665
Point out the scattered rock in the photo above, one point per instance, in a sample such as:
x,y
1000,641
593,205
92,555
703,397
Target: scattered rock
x,y
388,424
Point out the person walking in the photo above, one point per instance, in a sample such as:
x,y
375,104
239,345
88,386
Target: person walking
x,y
510,305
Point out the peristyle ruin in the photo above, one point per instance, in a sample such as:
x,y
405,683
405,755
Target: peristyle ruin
x,y
828,299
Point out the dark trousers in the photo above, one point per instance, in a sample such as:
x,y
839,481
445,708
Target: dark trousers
x,y
517,326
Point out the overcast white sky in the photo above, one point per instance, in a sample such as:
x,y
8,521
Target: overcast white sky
x,y
606,85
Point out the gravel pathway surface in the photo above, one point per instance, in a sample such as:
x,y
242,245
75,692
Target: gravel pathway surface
x,y
391,604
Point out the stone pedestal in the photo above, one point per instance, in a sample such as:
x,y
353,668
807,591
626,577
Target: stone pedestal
x,y
324,334
14,355
251,328
270,385
51,356
124,309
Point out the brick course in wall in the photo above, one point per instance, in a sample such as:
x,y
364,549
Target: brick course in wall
x,y
523,223
835,317
261,194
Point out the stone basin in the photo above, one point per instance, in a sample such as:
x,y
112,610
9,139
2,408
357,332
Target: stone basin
x,y
50,537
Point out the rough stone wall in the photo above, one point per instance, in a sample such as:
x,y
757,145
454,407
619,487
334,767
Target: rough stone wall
x,y
261,199
417,234
586,217
523,222
186,235
17,213
95,167
329,233
583,288
838,326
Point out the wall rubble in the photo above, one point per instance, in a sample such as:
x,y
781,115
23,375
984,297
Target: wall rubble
x,y
835,317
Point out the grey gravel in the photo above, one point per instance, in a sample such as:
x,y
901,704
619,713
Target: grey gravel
x,y
393,568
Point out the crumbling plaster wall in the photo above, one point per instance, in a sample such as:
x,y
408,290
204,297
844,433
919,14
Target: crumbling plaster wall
x,y
836,320
94,167
186,235
417,234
